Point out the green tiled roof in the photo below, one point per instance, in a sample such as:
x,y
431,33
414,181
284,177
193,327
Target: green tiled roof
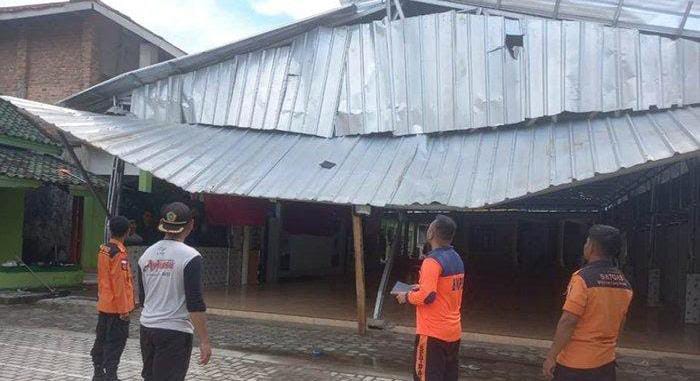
x,y
28,165
13,123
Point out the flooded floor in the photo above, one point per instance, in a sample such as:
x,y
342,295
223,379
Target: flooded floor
x,y
521,308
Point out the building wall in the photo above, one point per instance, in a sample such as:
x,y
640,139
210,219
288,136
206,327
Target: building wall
x,y
93,232
8,59
11,223
52,57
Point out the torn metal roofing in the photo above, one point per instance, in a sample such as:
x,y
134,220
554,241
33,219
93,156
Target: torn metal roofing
x,y
293,87
455,71
674,17
432,73
466,169
98,94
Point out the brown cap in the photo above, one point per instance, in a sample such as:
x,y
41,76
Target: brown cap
x,y
175,217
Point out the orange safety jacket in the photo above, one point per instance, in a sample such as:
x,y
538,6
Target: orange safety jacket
x,y
438,299
115,284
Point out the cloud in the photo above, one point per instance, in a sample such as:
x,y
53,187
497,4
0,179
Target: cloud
x,y
297,10
191,25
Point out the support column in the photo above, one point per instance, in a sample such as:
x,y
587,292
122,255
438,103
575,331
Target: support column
x,y
359,273
381,292
114,193
245,255
560,243
274,229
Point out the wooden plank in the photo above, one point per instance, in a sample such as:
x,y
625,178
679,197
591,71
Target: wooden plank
x,y
359,273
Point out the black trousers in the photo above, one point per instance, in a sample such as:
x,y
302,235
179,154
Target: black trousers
x,y
110,339
166,354
603,373
435,360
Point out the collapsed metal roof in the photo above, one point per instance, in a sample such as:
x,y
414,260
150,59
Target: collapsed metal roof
x,y
430,73
458,170
675,17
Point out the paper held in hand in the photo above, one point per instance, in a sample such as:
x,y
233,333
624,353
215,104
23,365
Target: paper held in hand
x,y
401,287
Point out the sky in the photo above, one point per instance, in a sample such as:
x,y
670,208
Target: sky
x,y
196,25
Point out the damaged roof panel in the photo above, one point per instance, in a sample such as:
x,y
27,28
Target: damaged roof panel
x,y
465,169
433,73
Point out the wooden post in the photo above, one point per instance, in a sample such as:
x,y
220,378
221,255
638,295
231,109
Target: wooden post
x,y
245,260
560,243
359,273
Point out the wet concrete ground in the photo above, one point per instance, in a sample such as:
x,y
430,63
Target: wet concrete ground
x,y
65,329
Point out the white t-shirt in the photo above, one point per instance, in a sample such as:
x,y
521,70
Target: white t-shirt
x,y
162,276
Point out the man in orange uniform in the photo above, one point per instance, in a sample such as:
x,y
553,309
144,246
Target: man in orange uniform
x,y
594,313
438,300
115,302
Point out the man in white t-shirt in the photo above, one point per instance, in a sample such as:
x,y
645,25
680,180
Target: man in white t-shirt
x,y
170,289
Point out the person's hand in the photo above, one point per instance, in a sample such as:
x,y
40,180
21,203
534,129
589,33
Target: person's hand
x,y
204,352
548,367
124,317
402,297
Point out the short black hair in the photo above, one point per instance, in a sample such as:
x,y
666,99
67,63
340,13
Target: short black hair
x,y
118,226
445,227
608,239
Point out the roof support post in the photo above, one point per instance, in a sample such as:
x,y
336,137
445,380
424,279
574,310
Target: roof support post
x,y
693,169
618,11
396,244
114,192
359,270
83,172
654,281
556,9
399,9
688,7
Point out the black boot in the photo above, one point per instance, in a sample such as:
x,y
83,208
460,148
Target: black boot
x,y
110,375
99,374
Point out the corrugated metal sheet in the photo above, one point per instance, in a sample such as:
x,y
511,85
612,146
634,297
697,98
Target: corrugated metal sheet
x,y
458,170
452,71
289,88
100,95
440,72
665,16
